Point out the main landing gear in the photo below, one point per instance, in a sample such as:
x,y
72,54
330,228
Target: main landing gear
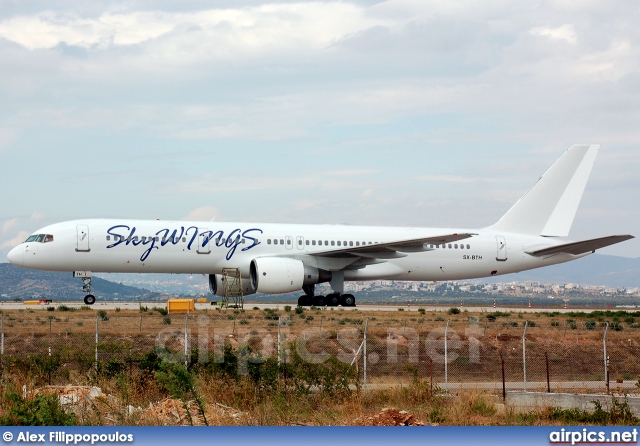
x,y
89,299
330,300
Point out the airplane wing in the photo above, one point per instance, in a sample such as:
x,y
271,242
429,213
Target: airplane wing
x,y
577,248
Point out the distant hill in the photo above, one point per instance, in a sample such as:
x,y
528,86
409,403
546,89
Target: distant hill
x,y
16,282
596,269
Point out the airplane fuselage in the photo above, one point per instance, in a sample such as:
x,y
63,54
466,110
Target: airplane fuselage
x,y
196,247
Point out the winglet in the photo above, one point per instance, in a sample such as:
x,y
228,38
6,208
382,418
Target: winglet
x,y
549,207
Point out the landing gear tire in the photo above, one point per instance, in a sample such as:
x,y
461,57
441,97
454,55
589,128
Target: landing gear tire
x,y
89,299
332,300
348,300
319,301
304,301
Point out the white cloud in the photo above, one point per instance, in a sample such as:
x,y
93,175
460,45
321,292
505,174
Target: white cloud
x,y
15,241
8,225
565,32
221,31
37,216
203,213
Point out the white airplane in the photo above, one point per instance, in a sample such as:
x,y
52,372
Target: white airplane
x,y
283,258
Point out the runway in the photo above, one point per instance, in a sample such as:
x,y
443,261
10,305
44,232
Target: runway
x,y
112,305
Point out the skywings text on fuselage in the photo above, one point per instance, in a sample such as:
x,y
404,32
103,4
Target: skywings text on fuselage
x,y
126,235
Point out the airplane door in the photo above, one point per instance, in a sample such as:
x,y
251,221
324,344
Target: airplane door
x,y
83,238
300,242
204,242
501,255
288,242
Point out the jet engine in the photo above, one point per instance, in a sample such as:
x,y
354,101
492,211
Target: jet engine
x,y
276,275
216,285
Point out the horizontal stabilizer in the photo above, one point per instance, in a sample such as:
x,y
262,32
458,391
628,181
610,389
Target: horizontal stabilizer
x,y
577,248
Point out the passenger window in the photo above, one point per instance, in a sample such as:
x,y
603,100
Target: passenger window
x,y
456,246
300,242
281,241
268,241
307,242
288,241
468,247
350,243
313,243
449,245
108,237
357,243
339,243
333,243
184,239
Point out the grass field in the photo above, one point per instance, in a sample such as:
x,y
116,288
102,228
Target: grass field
x,y
234,376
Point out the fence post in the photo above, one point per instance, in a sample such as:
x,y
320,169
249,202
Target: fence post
x,y
524,354
606,358
2,352
279,322
546,358
504,386
366,325
446,358
431,373
97,318
140,324
186,339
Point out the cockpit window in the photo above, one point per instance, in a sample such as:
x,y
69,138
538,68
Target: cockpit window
x,y
40,238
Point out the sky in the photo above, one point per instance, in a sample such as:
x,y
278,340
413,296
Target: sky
x,y
397,113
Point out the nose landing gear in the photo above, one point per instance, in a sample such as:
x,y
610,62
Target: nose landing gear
x,y
89,299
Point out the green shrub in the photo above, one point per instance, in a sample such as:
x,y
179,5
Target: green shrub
x,y
453,311
65,308
287,308
43,410
162,311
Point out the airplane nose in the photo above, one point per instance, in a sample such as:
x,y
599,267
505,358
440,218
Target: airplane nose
x,y
16,255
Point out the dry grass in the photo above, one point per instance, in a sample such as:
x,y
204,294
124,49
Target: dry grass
x,y
131,396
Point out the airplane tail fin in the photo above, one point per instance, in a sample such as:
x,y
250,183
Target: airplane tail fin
x,y
549,207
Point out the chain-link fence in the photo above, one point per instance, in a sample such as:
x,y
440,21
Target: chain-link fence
x,y
483,351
